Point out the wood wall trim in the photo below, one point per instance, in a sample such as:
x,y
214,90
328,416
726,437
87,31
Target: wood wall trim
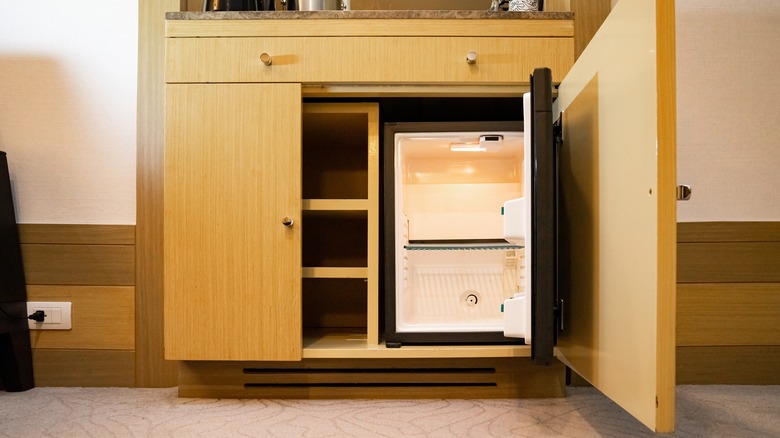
x,y
728,262
151,368
93,368
728,232
588,16
733,365
69,234
720,314
728,303
79,264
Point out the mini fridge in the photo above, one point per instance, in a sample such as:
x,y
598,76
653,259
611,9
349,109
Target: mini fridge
x,y
470,229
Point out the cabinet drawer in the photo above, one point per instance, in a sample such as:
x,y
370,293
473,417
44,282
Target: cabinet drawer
x,y
384,60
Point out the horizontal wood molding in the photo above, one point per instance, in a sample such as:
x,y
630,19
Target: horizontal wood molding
x,y
103,317
77,234
728,232
728,314
735,365
79,264
60,254
728,262
94,368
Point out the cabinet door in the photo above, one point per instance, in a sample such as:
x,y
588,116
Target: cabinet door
x,y
232,178
618,224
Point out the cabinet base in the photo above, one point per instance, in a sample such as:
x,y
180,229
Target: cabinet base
x,y
370,378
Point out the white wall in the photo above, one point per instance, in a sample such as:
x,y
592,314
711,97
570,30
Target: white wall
x,y
728,107
68,74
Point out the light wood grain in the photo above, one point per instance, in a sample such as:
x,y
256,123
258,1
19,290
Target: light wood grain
x,y
728,314
353,344
90,368
335,204
79,264
70,234
699,232
232,269
666,233
728,365
151,368
728,262
500,60
588,16
102,317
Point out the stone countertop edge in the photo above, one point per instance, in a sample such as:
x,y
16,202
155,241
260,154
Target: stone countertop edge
x,y
366,14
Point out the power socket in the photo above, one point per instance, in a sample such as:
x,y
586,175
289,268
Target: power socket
x,y
56,315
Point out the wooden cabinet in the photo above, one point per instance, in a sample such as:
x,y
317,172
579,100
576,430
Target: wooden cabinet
x,y
244,154
257,308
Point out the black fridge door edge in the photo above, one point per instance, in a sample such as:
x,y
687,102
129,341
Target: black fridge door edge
x,y
544,212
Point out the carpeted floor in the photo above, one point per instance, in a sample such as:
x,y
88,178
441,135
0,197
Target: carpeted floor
x,y
706,411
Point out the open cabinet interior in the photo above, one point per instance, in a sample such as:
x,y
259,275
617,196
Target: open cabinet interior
x,y
340,219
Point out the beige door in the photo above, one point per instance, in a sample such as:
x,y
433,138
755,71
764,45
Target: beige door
x,y
232,187
618,228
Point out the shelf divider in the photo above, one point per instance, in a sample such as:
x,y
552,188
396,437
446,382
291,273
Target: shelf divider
x,y
326,272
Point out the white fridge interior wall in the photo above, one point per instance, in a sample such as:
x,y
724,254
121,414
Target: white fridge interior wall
x,y
68,81
453,267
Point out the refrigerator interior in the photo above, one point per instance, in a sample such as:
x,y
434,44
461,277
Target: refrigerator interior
x,y
458,256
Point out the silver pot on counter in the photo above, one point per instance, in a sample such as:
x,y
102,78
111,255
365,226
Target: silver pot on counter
x,y
322,5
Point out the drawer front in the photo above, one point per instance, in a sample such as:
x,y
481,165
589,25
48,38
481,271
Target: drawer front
x,y
385,60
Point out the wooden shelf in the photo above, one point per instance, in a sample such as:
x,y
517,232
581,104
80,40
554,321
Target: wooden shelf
x,y
354,345
323,272
335,204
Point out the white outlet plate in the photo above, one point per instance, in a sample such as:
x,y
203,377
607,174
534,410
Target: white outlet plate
x,y
57,315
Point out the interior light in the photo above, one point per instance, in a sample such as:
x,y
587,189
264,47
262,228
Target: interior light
x,y
467,147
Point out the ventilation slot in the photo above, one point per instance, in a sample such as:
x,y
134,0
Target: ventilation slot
x,y
411,378
368,385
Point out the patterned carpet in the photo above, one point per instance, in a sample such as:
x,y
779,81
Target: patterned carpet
x,y
706,411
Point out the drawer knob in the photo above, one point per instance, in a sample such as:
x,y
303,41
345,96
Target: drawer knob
x,y
471,58
287,222
265,58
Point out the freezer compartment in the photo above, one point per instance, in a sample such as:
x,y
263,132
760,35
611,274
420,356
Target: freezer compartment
x,y
457,288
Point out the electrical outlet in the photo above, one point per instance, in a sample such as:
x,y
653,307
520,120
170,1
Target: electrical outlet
x,y
56,315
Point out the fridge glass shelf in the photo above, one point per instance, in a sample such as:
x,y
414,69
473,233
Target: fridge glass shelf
x,y
460,246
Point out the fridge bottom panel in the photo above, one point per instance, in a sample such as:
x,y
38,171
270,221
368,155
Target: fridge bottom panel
x,y
456,291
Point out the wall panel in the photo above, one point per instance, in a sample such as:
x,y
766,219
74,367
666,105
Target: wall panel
x,y
728,303
92,267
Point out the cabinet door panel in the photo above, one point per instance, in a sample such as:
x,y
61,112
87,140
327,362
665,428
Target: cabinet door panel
x,y
618,214
232,269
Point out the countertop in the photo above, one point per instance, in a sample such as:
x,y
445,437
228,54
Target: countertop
x,y
365,14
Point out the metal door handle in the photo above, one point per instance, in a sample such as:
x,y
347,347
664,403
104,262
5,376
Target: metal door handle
x,y
287,222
